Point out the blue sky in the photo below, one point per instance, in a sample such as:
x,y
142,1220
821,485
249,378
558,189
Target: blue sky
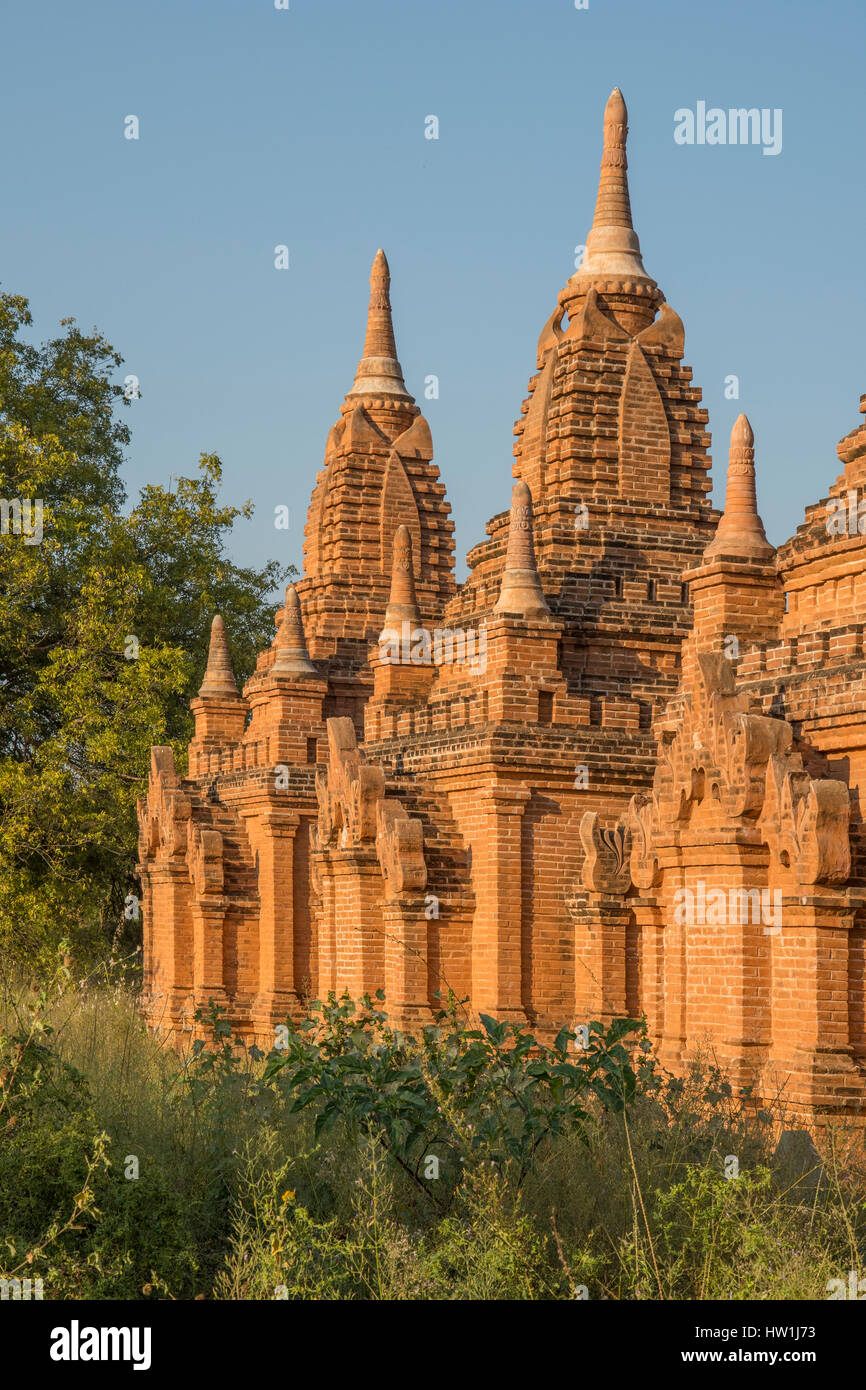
x,y
305,127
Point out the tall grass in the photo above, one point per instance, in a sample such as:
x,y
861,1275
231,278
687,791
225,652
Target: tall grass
x,y
130,1171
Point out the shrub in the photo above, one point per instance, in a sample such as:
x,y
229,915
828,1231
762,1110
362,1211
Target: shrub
x,y
562,1173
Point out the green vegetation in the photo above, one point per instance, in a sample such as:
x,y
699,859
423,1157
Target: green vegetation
x,y
103,635
352,1163
310,1173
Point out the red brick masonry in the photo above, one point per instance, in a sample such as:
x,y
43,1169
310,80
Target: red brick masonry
x,y
561,788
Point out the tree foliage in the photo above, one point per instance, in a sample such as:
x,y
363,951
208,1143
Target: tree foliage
x,y
103,632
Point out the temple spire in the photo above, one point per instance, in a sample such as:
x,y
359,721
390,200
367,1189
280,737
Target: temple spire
x,y
291,656
379,341
613,206
379,372
402,600
521,592
612,246
219,678
740,530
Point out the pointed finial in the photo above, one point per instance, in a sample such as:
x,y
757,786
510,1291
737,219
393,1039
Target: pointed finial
x,y
740,530
379,341
219,678
613,205
379,372
612,246
402,600
521,591
290,646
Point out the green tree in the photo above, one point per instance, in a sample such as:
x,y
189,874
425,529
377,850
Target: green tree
x,y
81,702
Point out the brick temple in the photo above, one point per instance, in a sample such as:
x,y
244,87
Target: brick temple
x,y
617,771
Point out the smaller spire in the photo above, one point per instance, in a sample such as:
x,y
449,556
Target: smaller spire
x,y
740,530
290,647
521,591
219,678
379,372
402,600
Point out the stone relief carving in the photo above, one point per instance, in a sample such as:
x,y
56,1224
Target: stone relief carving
x,y
400,847
741,768
606,865
205,859
353,811
164,813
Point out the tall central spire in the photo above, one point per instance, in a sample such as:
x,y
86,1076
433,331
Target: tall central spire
x,y
612,246
379,372
613,206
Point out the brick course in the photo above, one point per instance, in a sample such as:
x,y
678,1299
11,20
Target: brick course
x,y
632,701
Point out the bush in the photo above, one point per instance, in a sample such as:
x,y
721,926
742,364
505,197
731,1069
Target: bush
x,y
558,1173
